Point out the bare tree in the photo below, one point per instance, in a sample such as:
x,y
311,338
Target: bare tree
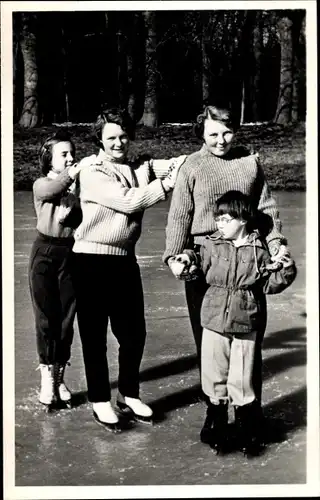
x,y
150,113
205,40
30,111
284,108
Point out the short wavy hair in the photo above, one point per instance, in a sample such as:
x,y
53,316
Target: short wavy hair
x,y
119,116
222,114
45,154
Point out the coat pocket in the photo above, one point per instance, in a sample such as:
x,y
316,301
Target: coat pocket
x,y
213,308
243,313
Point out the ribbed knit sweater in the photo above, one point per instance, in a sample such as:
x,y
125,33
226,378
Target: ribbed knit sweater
x,y
202,179
113,198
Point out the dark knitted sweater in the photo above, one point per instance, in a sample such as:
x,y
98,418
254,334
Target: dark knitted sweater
x,y
202,179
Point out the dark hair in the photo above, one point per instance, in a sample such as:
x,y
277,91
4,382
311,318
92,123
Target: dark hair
x,y
45,155
112,115
222,114
239,206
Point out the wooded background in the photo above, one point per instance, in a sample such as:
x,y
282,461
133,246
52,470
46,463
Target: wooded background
x,y
162,65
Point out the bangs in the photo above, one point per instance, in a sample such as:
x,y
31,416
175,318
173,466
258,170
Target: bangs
x,y
233,208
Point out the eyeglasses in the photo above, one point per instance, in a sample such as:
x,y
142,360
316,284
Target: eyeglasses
x,y
224,220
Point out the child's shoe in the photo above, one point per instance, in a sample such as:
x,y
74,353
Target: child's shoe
x,y
215,429
207,428
46,395
135,408
249,425
61,389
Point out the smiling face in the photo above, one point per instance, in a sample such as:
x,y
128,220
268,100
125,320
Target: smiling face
x,y
218,137
115,142
62,156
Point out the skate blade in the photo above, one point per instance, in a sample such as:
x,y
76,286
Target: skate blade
x,y
114,428
127,412
68,404
48,408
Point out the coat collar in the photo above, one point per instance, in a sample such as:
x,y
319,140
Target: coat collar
x,y
252,240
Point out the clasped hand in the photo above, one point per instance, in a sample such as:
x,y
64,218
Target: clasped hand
x,y
182,267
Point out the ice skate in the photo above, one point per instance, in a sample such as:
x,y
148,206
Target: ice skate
x,y
105,416
135,408
215,429
46,395
62,391
249,429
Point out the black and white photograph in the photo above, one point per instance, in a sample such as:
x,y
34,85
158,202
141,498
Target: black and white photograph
x,y
160,249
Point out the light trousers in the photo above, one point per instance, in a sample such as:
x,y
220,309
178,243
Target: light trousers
x,y
227,367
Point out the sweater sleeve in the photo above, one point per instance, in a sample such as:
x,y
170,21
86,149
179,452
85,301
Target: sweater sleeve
x,y
46,189
105,189
266,203
180,215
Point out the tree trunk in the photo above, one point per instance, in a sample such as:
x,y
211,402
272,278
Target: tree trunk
x,y
284,108
122,67
297,69
135,66
205,65
257,57
64,52
150,113
30,111
15,49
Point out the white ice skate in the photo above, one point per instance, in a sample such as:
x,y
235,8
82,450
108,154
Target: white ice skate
x,y
135,408
105,415
46,395
62,390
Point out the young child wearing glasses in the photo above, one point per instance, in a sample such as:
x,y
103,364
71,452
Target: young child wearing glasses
x,y
239,271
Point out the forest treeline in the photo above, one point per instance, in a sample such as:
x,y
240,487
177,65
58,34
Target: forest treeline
x,y
163,66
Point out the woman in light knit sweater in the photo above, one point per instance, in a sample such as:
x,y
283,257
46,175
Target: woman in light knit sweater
x,y
114,194
207,174
52,294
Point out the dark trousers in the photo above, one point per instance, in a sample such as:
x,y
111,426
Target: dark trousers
x,y
53,297
195,291
109,286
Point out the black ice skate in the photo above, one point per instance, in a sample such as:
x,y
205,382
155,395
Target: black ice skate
x,y
249,426
215,428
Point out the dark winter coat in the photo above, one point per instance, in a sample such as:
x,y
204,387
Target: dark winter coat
x,y
238,278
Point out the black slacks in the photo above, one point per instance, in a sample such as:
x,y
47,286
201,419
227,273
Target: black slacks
x,y
53,297
109,287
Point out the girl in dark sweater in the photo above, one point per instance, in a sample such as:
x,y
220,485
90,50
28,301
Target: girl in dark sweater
x,y
52,294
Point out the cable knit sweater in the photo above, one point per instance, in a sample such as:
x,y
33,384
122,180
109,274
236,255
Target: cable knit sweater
x,y
113,197
202,179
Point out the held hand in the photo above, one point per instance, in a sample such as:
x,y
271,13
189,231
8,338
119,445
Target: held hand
x,y
283,256
169,181
179,264
76,168
282,252
182,268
